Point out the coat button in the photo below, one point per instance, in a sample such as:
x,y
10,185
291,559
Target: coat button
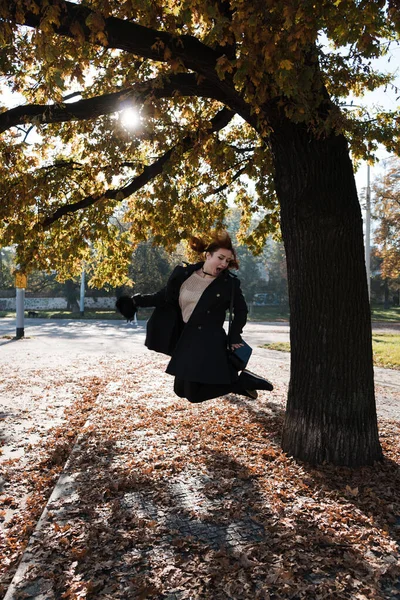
x,y
208,312
199,327
218,295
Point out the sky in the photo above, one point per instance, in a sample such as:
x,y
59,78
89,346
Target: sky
x,y
389,100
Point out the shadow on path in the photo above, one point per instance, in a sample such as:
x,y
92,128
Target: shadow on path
x,y
172,502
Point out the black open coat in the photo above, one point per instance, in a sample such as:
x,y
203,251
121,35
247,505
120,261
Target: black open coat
x,y
197,348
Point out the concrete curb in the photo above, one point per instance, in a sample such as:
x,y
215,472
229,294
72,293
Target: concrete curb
x,y
64,488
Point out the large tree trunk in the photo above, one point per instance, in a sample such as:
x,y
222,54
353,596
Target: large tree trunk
x,y
331,412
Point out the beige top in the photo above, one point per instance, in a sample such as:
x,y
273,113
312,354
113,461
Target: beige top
x,y
190,293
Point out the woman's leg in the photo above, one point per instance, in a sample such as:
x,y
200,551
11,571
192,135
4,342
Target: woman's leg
x,y
200,392
251,381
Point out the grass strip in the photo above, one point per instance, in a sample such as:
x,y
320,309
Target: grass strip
x,y
385,346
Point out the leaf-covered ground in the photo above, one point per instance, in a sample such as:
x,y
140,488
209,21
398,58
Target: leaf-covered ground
x,y
166,500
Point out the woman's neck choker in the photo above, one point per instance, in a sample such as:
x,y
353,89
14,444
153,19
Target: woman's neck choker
x,y
205,272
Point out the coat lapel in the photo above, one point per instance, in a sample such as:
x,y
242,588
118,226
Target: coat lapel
x,y
219,288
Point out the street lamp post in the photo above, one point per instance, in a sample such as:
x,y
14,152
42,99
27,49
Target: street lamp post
x,y
20,285
82,295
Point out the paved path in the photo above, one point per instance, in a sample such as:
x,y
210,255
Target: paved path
x,y
74,350
91,337
50,344
117,337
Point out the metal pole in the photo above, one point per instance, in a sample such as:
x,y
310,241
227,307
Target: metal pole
x,y
368,233
82,298
20,302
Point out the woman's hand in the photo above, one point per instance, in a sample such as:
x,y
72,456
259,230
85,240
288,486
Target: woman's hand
x,y
236,346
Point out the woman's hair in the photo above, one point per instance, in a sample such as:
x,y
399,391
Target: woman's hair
x,y
218,239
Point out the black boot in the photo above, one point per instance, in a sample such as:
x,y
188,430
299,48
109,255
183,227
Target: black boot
x,y
251,381
250,394
179,387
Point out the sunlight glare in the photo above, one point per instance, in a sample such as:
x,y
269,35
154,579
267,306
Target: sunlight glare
x,y
130,118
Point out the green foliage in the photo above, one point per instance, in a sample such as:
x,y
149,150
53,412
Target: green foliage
x,y
269,313
151,267
264,272
7,267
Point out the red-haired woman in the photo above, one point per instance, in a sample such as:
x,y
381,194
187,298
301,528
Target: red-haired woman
x,y
188,324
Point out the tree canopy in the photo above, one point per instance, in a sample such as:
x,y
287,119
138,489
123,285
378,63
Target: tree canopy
x,y
209,80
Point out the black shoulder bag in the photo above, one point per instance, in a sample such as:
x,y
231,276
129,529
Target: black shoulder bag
x,y
238,357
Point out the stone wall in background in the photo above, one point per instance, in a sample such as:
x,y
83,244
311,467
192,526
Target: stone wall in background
x,y
57,303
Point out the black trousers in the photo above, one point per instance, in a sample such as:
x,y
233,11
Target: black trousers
x,y
199,392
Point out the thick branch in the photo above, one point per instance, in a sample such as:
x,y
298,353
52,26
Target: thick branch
x,y
146,43
148,173
129,36
185,84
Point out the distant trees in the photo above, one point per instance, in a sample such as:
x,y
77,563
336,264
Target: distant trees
x,y
275,259
151,266
386,212
265,272
6,268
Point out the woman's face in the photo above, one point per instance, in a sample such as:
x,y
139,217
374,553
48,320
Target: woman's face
x,y
217,261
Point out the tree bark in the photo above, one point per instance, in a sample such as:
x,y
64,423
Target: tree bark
x,y
386,302
331,412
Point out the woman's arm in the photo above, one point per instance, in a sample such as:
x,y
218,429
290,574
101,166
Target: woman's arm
x,y
158,299
146,300
240,311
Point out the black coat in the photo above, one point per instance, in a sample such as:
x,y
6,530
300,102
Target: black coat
x,y
197,348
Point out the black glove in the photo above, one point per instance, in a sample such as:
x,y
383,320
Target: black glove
x,y
127,307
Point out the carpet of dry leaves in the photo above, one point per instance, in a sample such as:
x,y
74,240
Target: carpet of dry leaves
x,y
168,500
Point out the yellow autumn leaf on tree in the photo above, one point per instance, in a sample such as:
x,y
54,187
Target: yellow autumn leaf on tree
x,y
286,65
95,22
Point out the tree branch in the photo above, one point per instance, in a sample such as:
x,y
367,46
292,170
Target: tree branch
x,y
141,41
185,84
243,150
124,35
148,173
392,198
224,186
72,95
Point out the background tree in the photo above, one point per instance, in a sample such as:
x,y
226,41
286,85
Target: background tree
x,y
7,267
192,69
384,290
40,282
275,259
151,267
251,267
386,211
